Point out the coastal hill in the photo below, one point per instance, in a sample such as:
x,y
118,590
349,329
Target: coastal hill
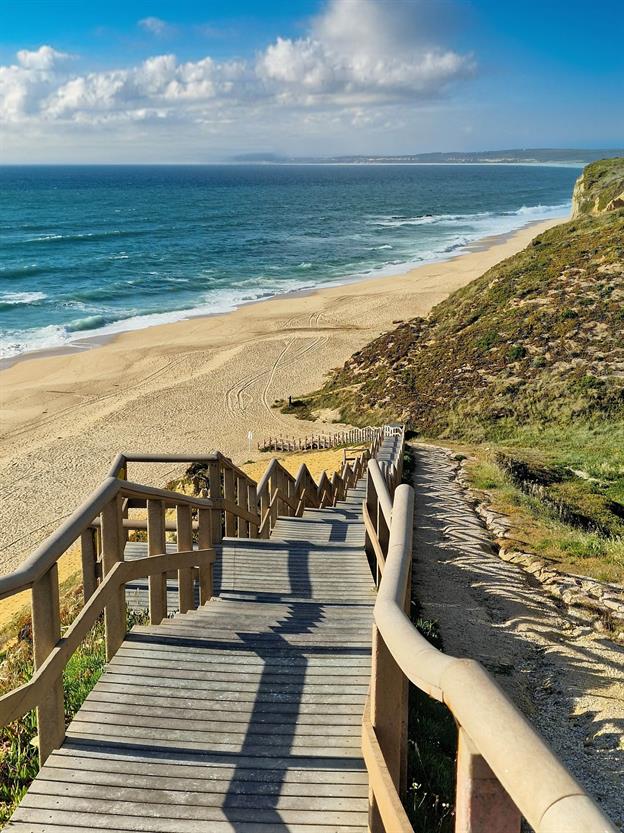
x,y
525,368
537,337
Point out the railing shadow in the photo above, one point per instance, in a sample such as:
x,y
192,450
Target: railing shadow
x,y
495,612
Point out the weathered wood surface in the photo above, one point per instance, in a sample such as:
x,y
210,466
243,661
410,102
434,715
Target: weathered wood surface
x,y
243,716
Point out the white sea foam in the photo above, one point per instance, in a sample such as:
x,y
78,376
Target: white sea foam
x,y
14,298
463,231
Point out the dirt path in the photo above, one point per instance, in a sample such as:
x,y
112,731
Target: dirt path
x,y
568,679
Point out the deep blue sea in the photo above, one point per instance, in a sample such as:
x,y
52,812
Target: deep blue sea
x,y
95,250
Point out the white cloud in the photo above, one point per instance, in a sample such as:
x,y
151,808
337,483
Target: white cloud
x,y
43,58
359,61
359,47
154,25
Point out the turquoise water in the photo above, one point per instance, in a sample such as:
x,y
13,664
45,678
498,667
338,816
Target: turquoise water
x,y
94,250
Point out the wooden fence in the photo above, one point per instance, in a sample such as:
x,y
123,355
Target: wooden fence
x,y
505,771
353,436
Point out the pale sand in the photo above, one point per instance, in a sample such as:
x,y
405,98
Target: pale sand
x,y
191,386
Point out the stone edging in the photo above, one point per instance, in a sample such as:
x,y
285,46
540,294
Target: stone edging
x,y
602,600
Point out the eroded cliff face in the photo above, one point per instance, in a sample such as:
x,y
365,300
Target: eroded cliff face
x,y
600,188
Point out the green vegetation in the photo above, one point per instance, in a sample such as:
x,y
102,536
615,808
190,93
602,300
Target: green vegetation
x,y
298,407
537,521
432,746
19,761
600,187
528,361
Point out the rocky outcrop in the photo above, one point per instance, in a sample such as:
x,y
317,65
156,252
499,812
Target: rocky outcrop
x,y
600,188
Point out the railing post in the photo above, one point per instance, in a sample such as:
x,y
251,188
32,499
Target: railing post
x,y
157,545
243,502
113,553
46,626
230,496
372,506
264,504
214,482
482,805
88,555
388,707
252,502
206,538
184,527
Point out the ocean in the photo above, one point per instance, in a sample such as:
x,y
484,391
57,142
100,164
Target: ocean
x,y
88,251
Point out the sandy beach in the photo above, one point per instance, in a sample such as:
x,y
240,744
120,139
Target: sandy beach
x,y
190,387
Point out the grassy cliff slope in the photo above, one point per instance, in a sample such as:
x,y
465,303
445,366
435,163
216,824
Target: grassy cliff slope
x,y
528,357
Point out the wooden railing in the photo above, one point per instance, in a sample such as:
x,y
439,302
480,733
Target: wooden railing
x,y
234,505
336,439
505,771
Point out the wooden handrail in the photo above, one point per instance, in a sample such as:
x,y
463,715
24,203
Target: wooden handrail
x,y
525,776
236,505
46,555
17,703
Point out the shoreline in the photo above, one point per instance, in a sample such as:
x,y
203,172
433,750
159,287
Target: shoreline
x,y
193,385
90,342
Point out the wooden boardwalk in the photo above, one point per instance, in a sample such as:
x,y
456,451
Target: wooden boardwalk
x,y
243,716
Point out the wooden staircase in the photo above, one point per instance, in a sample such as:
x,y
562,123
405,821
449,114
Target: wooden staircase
x,y
243,715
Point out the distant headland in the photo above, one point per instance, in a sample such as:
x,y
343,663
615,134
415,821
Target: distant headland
x,y
515,156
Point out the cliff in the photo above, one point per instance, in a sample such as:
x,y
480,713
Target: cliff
x,y
600,188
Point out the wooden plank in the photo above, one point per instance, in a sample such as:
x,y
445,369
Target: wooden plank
x,y
215,780
37,820
147,812
171,795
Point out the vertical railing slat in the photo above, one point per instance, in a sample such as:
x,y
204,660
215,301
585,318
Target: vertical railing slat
x,y
229,493
46,626
243,502
88,556
184,529
206,538
481,805
113,553
157,545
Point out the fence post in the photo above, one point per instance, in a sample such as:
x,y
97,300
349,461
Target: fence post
x,y
206,538
214,482
243,502
230,496
252,502
372,506
184,527
88,555
157,545
482,805
264,503
46,627
112,553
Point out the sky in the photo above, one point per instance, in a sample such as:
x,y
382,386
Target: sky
x,y
193,82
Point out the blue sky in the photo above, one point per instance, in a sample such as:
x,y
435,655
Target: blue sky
x,y
194,82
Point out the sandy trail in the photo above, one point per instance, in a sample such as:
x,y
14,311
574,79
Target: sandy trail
x,y
565,677
189,387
